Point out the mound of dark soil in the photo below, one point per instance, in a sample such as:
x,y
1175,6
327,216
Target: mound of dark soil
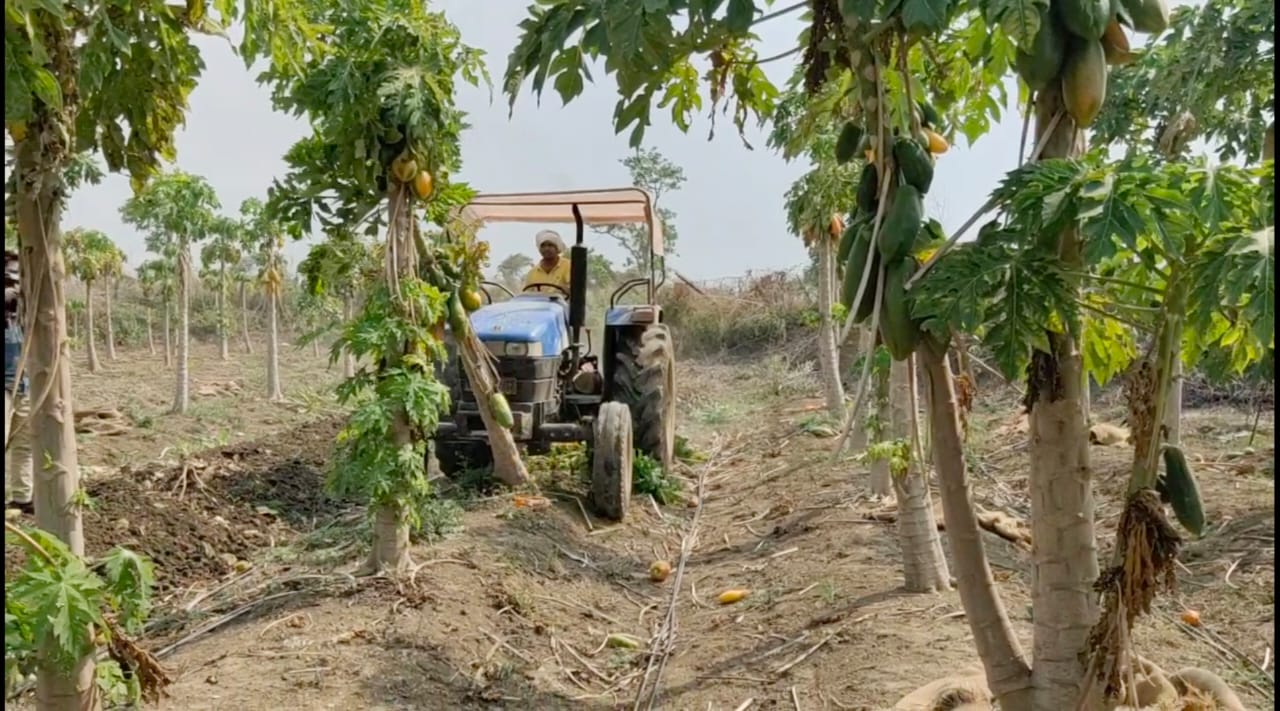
x,y
237,500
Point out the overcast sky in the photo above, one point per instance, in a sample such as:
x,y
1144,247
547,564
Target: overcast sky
x,y
730,211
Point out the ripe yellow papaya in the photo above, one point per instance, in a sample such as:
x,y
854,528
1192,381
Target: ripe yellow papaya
x,y
471,299
1040,64
899,332
1084,82
937,144
1149,16
1086,19
901,226
404,168
423,185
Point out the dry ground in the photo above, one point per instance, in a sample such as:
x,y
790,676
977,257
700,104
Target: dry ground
x,y
511,607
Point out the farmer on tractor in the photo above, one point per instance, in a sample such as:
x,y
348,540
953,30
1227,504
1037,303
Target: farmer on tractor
x,y
553,269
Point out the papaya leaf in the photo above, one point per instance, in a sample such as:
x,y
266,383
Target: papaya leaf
x,y
1020,19
925,16
1108,348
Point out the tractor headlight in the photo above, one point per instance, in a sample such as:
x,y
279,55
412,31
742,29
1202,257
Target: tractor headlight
x,y
523,349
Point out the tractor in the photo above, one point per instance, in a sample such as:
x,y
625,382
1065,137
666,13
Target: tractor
x,y
616,400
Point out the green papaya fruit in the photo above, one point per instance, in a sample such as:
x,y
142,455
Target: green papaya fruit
x,y
846,241
902,224
900,334
1181,491
854,265
501,411
1086,19
457,314
914,163
1040,64
868,189
928,115
848,142
1084,81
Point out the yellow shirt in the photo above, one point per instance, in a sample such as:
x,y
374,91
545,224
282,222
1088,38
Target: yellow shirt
x,y
558,276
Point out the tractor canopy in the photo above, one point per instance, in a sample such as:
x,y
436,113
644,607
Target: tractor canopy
x,y
614,206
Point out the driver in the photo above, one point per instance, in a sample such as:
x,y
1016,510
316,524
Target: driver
x,y
552,269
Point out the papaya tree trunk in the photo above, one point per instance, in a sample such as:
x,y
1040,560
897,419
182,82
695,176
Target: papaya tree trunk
x,y
1064,551
168,335
182,389
1008,674
924,564
1173,400
151,335
244,318
390,549
90,338
881,478
111,329
274,392
828,356
224,349
57,469
348,361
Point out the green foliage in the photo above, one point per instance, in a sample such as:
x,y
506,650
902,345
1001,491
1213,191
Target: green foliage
x,y
1144,222
372,461
897,452
341,264
74,64
648,477
59,604
176,210
91,254
383,84
1215,62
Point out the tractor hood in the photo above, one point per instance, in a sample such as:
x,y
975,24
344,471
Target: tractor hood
x,y
524,319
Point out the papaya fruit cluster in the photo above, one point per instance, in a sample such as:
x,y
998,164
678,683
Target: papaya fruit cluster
x,y
1076,42
911,168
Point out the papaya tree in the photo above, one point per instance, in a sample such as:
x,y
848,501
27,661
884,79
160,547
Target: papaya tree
x,y
265,235
74,85
218,259
155,276
919,69
176,210
341,265
379,97
93,257
1210,78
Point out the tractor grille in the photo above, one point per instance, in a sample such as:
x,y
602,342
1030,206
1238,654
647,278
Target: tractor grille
x,y
522,380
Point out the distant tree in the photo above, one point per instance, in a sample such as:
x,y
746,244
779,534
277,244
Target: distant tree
x,y
511,270
652,171
92,256
177,210
218,259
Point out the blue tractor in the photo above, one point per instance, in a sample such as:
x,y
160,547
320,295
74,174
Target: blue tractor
x,y
616,395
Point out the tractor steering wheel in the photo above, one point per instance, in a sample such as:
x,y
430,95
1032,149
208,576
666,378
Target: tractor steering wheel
x,y
557,287
489,297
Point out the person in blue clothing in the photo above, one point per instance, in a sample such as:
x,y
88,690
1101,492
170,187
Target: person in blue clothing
x,y
17,432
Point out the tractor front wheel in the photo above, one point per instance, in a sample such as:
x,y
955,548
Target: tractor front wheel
x,y
455,458
644,379
611,458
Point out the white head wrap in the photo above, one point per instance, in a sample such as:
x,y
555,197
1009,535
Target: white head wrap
x,y
550,236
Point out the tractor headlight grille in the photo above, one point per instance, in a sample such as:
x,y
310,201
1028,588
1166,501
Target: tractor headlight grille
x,y
515,348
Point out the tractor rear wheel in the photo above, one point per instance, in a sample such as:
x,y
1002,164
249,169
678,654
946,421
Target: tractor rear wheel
x,y
644,379
611,458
